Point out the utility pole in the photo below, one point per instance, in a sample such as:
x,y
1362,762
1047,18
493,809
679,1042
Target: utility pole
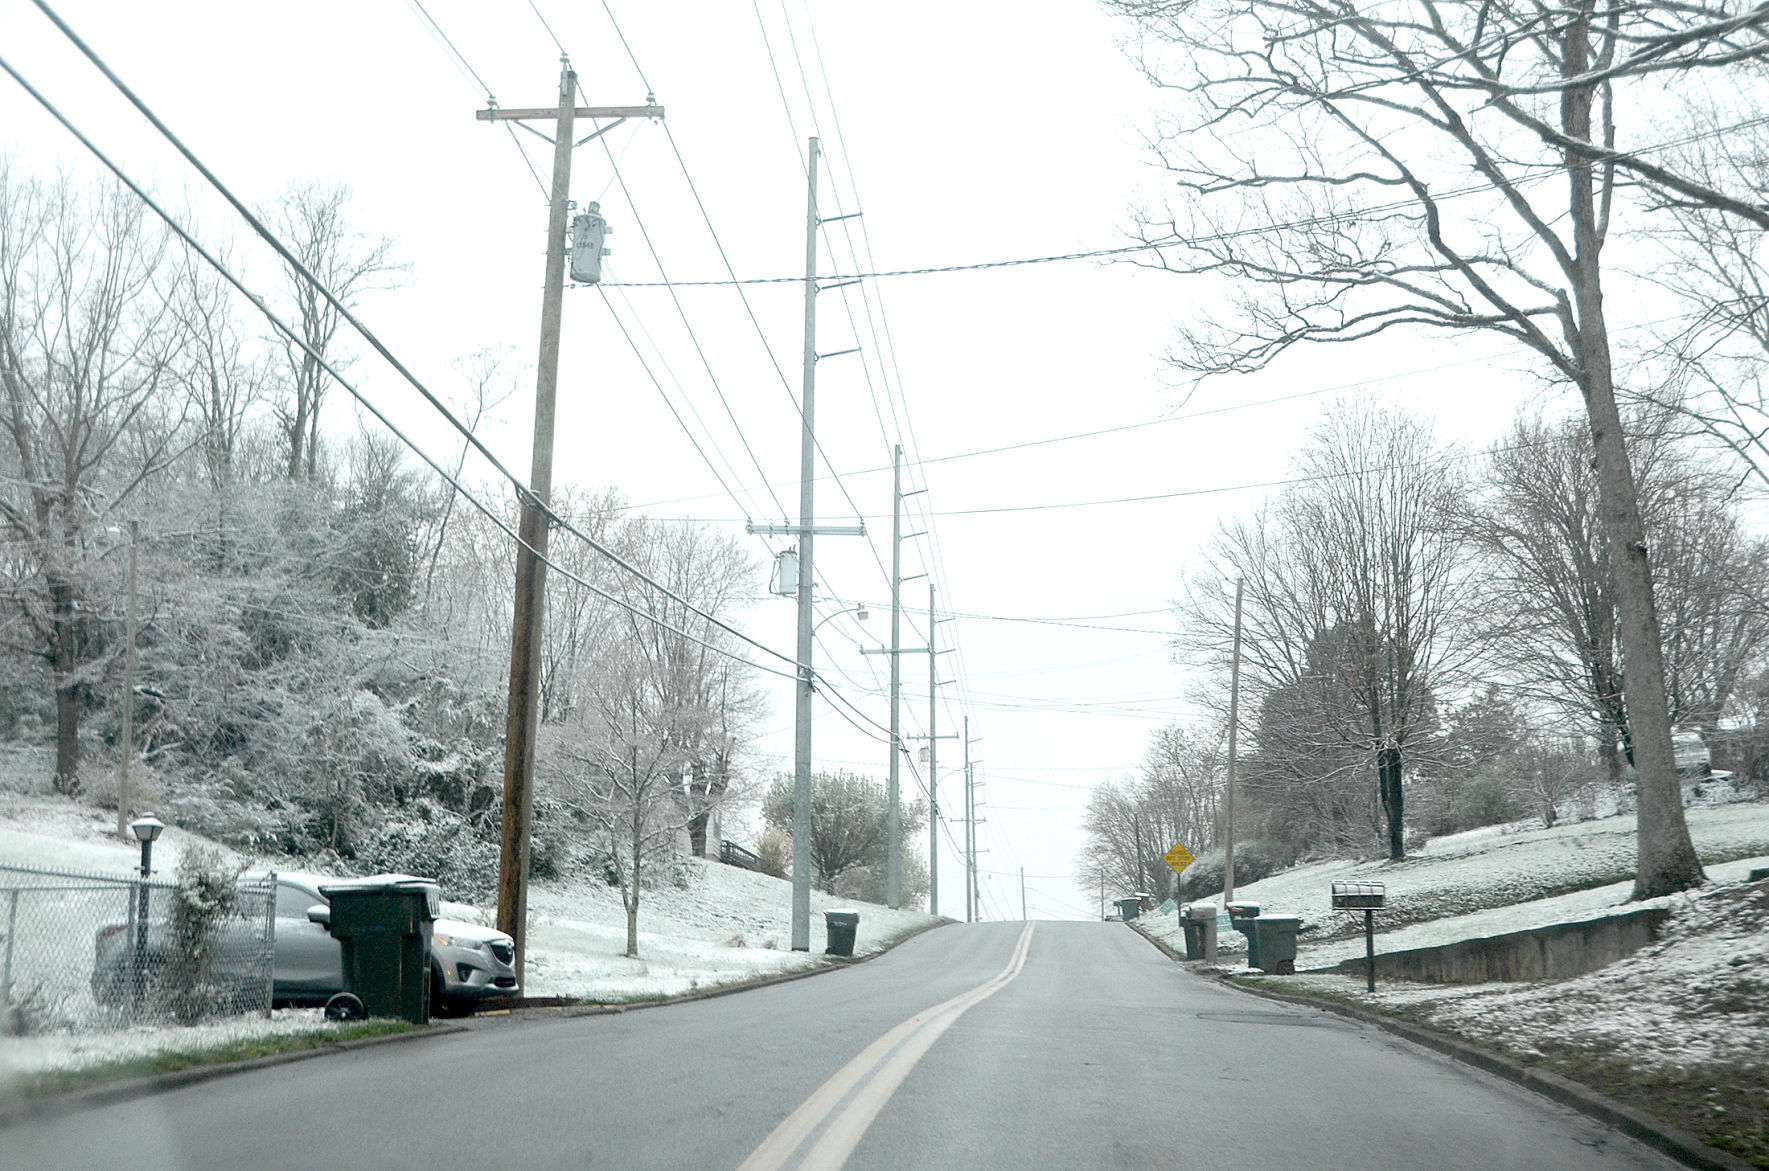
x,y
933,760
1022,894
522,715
970,832
894,817
893,785
1234,723
125,785
805,530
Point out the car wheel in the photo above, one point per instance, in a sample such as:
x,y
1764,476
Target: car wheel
x,y
440,1006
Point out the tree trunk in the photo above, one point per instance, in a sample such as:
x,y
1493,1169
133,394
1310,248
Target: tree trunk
x,y
1666,857
1388,763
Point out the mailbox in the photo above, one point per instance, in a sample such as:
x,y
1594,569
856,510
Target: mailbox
x,y
1359,896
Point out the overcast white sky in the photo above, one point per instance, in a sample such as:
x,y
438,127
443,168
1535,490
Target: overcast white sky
x,y
966,133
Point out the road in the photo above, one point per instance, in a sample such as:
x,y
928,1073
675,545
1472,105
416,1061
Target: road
x,y
1073,1045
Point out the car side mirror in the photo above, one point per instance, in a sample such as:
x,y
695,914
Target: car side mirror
x,y
321,914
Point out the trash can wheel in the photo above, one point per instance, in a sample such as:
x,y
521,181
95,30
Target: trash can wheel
x,y
346,1006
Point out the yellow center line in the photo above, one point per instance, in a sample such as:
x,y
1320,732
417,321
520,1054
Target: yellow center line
x,y
881,1066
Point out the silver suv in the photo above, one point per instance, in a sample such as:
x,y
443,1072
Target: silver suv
x,y
468,963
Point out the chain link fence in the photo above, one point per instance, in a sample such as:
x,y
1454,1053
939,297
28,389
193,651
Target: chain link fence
x,y
89,952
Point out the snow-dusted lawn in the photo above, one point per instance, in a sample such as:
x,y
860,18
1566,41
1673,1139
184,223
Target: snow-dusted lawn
x,y
1487,882
1697,997
710,926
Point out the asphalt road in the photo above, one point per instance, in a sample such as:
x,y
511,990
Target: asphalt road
x,y
1073,1045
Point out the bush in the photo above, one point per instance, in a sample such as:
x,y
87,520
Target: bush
x,y
1255,859
774,852
431,841
207,897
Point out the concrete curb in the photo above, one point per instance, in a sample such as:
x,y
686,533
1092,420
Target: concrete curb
x,y
57,1105
1685,1148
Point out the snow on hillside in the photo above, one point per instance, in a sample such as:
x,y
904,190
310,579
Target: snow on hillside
x,y
1694,997
705,925
1499,867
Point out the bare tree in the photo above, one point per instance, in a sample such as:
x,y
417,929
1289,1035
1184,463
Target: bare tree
x,y
1351,170
615,764
1352,625
1173,798
490,379
312,221
85,344
222,379
712,692
1548,597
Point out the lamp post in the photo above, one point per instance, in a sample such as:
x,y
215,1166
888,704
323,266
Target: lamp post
x,y
147,829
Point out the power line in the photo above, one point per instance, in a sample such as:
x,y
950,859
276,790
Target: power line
x,y
447,477
368,335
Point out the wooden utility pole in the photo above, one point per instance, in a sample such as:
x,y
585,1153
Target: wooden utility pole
x,y
523,713
125,784
1234,724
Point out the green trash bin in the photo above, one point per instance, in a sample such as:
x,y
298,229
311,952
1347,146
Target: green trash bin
x,y
840,928
1242,917
1129,909
383,925
1276,935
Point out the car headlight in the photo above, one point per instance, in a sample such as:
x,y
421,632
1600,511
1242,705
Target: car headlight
x,y
455,941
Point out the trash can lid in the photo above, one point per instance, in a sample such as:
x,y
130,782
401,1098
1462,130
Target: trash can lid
x,y
432,890
1281,920
842,911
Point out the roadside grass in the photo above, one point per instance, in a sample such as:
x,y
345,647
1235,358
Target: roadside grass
x,y
1723,1104
62,1081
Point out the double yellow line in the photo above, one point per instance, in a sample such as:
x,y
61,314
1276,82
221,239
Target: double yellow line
x,y
849,1101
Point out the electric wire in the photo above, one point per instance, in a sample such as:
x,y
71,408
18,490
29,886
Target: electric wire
x,y
289,332
465,67
331,299
682,312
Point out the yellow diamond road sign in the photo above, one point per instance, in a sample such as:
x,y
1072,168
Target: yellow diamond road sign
x,y
1179,858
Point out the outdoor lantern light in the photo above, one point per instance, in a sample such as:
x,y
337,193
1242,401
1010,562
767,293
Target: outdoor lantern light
x,y
147,828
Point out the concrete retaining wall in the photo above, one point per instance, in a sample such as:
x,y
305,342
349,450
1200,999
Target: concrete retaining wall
x,y
1544,953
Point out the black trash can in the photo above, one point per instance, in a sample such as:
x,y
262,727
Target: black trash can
x,y
383,925
840,928
1194,939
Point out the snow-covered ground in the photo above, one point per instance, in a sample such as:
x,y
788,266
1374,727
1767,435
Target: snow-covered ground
x,y
707,926
1696,996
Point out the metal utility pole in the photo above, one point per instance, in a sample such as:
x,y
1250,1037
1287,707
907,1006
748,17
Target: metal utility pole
x,y
805,530
801,753
893,785
125,785
894,838
970,832
1234,723
1022,894
523,713
933,761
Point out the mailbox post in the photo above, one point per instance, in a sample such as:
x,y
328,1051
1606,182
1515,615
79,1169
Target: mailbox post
x,y
1368,897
